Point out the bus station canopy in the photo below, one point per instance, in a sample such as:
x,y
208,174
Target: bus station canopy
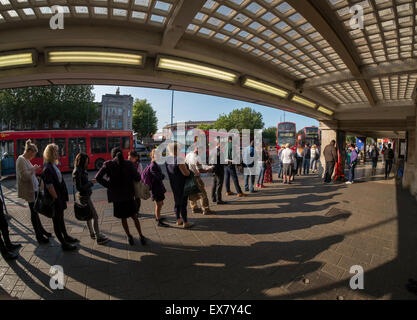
x,y
306,56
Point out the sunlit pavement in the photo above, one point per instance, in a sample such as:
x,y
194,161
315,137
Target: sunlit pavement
x,y
264,246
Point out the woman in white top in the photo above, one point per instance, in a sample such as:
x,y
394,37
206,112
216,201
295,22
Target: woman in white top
x,y
28,188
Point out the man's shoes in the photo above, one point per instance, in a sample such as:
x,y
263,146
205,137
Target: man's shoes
x,y
102,239
71,240
162,224
208,211
187,225
230,193
142,240
253,191
42,240
348,182
130,240
9,255
12,247
241,195
221,202
68,247
197,210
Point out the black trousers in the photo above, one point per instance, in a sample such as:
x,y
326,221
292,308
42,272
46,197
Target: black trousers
x,y
36,222
388,167
59,226
299,166
4,230
329,171
216,191
230,171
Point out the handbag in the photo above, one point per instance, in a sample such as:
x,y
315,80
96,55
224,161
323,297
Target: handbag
x,y
142,190
191,186
82,211
45,204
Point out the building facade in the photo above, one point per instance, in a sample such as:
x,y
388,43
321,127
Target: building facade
x,y
189,125
116,112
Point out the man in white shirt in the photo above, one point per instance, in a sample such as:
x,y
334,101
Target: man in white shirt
x,y
287,158
193,161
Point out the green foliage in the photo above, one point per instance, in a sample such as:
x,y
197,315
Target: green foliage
x,y
270,135
34,107
245,118
144,120
205,126
350,139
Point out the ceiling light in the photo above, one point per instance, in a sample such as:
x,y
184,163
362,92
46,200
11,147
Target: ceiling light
x,y
325,110
16,59
251,83
303,101
197,69
82,56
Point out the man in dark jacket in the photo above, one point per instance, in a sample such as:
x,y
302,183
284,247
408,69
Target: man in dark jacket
x,y
218,178
330,156
306,162
230,171
389,159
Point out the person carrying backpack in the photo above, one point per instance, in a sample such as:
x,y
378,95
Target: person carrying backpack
x,y
389,159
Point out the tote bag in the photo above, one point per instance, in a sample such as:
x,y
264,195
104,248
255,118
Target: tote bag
x,y
141,190
191,186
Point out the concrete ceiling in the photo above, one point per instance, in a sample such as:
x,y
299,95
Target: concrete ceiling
x,y
305,47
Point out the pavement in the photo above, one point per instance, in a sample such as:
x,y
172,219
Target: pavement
x,y
294,241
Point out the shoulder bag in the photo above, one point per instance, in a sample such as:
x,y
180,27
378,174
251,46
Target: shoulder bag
x,y
82,211
191,186
45,204
142,190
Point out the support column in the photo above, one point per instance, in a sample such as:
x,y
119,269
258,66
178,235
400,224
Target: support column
x,y
410,169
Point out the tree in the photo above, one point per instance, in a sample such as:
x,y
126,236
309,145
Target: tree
x,y
270,135
205,126
35,107
245,118
350,140
144,120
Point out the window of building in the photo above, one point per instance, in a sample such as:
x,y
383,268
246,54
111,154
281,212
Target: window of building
x,y
98,145
128,113
113,123
62,145
120,111
126,143
114,142
120,124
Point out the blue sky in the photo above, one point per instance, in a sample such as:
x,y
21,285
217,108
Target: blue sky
x,y
197,107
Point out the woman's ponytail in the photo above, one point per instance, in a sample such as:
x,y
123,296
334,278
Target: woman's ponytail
x,y
117,154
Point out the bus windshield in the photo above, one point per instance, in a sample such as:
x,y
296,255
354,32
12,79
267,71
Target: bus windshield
x,y
286,134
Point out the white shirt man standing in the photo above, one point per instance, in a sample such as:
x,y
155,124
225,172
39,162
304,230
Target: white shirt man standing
x,y
194,164
287,158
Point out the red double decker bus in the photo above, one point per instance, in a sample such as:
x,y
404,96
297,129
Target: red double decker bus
x,y
286,133
310,136
96,143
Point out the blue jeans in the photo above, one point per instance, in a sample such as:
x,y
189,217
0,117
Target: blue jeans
x,y
280,170
261,175
306,166
252,182
352,173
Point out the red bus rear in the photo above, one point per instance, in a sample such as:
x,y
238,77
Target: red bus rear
x,y
286,133
96,143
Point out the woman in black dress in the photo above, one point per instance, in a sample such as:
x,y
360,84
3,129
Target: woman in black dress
x,y
118,176
55,186
177,173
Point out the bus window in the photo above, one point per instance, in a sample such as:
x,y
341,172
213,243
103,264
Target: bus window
x,y
20,146
98,145
62,144
7,157
75,146
126,143
114,142
41,144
